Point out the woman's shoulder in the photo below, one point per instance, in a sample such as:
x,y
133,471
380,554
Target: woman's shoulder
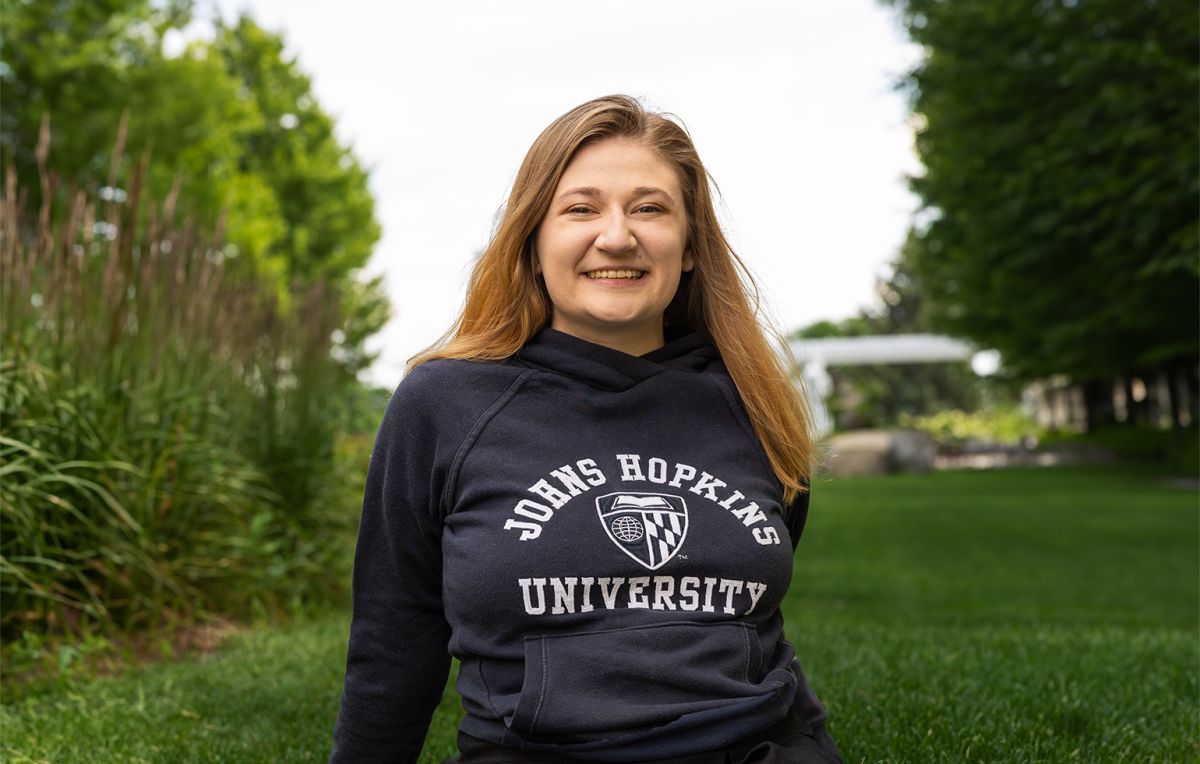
x,y
442,385
447,374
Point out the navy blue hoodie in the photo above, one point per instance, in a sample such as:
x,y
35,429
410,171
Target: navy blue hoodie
x,y
597,537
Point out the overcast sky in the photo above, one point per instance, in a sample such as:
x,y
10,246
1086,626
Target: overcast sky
x,y
791,105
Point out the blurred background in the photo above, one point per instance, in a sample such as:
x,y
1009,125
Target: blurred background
x,y
227,225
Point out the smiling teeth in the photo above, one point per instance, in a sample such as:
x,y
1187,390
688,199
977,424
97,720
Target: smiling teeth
x,y
625,274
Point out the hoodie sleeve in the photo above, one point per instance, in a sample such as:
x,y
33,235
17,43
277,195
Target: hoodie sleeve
x,y
796,516
397,661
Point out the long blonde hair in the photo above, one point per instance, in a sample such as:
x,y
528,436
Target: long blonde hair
x,y
506,304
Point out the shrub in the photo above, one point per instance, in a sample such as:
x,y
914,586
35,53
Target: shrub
x,y
168,421
1008,426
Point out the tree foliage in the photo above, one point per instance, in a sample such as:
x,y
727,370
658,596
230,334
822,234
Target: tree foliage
x,y
319,187
1061,186
231,125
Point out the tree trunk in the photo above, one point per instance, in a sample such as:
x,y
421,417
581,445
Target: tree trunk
x,y
1191,377
1175,389
1098,403
1157,399
1131,406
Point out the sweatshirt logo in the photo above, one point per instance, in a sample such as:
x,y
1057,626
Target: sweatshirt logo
x,y
649,527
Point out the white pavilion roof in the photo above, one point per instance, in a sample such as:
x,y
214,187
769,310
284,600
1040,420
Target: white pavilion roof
x,y
884,349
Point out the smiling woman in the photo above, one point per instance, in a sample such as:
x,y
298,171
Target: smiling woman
x,y
591,490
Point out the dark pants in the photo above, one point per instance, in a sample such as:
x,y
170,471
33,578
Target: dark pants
x,y
793,740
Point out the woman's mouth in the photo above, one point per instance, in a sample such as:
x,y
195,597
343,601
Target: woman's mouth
x,y
626,273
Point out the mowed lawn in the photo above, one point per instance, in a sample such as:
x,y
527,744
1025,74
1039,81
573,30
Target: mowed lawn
x,y
1022,615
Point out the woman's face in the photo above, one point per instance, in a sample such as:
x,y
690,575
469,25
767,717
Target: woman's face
x,y
612,245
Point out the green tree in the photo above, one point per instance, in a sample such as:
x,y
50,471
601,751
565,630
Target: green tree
x,y
230,125
321,189
90,66
1061,179
232,121
77,60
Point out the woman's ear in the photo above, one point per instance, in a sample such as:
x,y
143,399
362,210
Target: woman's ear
x,y
689,262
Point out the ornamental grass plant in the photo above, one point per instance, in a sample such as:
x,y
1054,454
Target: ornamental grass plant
x,y
168,426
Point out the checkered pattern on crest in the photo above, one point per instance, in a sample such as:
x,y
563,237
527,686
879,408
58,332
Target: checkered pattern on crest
x,y
664,530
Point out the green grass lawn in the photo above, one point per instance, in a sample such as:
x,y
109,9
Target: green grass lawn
x,y
1021,616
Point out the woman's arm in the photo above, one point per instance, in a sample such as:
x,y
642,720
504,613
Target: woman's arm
x,y
796,515
397,661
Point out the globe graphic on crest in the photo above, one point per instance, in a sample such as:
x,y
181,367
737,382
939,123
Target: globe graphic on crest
x,y
627,528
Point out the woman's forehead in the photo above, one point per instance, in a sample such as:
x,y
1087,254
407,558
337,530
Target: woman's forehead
x,y
619,162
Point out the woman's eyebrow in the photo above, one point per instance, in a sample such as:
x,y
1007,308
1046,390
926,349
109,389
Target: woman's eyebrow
x,y
648,190
592,191
582,191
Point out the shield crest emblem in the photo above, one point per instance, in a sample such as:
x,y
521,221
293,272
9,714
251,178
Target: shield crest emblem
x,y
649,527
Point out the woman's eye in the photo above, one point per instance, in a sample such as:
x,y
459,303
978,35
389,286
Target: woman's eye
x,y
581,209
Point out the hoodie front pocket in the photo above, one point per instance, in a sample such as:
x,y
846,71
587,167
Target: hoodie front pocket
x,y
602,681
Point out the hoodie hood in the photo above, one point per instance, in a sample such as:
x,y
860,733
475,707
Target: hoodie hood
x,y
609,369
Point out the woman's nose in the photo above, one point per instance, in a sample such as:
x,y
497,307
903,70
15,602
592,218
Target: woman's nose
x,y
616,236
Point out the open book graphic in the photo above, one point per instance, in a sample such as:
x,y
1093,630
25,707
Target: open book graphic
x,y
641,502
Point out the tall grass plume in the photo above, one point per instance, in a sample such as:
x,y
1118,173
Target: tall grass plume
x,y
167,441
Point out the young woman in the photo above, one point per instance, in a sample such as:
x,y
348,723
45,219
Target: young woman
x,y
590,490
